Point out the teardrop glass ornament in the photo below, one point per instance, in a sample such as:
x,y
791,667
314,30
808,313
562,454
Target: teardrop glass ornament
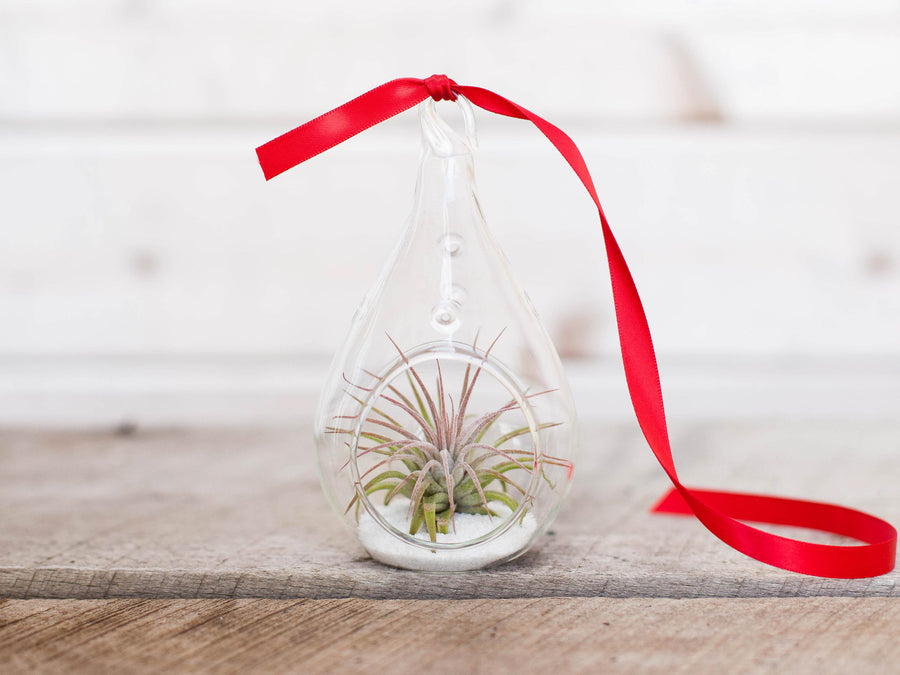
x,y
446,428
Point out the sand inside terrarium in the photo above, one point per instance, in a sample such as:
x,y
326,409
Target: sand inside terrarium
x,y
388,549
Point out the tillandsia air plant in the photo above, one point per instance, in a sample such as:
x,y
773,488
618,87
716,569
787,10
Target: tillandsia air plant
x,y
441,457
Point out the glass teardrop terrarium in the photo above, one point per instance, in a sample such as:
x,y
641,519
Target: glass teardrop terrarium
x,y
446,428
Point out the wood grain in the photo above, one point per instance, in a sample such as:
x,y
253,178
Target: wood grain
x,y
239,514
572,635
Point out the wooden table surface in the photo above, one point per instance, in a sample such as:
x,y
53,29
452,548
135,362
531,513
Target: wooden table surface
x,y
215,550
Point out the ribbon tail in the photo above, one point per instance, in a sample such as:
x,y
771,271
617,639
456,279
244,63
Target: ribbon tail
x,y
338,125
720,512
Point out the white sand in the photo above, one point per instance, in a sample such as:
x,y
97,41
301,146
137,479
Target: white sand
x,y
386,548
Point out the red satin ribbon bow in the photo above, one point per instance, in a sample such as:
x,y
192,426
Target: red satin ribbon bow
x,y
720,512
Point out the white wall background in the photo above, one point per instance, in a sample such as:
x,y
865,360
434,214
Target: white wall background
x,y
747,154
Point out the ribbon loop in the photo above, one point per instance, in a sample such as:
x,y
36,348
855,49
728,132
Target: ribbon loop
x,y
722,513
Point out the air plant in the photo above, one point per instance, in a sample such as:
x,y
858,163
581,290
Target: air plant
x,y
441,459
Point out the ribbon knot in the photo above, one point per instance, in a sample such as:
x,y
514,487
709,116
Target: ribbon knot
x,y
440,88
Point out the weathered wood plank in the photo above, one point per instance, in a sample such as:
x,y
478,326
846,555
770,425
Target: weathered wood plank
x,y
821,635
230,514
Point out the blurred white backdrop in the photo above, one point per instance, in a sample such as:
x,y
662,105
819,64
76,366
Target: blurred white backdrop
x,y
747,154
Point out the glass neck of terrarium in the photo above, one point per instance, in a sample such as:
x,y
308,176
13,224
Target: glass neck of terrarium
x,y
446,208
446,221
445,204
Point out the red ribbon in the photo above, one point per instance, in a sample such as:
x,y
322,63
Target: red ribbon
x,y
720,512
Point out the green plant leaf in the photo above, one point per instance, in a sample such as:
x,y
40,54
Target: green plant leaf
x,y
419,401
501,477
479,510
494,496
443,521
385,475
430,517
521,431
416,521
